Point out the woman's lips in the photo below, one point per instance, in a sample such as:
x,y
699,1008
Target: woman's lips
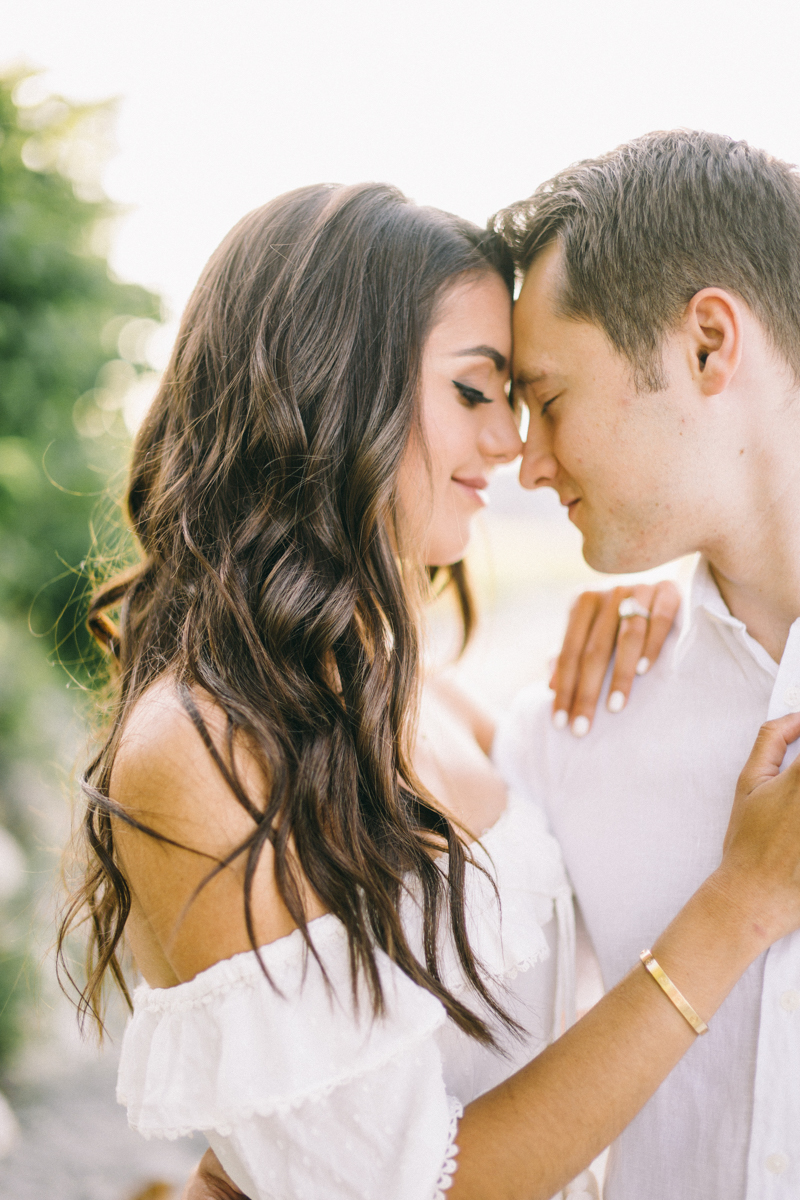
x,y
475,487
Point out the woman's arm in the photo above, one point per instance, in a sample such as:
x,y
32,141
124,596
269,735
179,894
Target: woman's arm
x,y
535,1132
543,1126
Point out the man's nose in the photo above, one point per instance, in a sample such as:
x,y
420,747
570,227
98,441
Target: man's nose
x,y
539,465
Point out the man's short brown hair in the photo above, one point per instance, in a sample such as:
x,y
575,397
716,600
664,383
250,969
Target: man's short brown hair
x,y
645,227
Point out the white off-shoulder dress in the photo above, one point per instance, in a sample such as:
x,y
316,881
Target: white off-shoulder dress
x,y
304,1094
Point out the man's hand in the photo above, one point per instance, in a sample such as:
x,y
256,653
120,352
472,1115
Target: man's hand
x,y
208,1181
594,632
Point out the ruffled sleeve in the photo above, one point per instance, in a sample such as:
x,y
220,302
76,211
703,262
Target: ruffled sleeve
x,y
299,1088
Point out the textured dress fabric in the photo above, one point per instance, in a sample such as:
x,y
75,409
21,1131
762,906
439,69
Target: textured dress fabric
x,y
305,1094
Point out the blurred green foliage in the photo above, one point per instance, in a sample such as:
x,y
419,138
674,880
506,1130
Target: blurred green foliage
x,y
61,377
13,992
72,345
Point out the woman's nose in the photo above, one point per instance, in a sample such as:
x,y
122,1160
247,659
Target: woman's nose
x,y
500,438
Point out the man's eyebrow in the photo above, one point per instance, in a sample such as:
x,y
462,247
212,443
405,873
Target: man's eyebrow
x,y
499,360
528,378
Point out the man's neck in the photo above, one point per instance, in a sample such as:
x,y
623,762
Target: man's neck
x,y
753,531
764,594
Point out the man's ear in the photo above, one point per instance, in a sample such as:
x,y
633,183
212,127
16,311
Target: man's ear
x,y
714,328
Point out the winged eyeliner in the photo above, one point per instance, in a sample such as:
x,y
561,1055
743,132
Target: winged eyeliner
x,y
472,394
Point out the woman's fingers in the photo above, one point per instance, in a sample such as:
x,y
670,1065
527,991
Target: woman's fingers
x,y
631,643
596,635
762,843
663,610
597,654
565,677
640,641
769,751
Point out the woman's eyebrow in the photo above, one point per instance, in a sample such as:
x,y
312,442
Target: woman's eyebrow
x,y
499,360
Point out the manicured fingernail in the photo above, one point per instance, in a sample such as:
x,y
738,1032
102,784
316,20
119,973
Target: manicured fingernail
x,y
616,702
643,666
560,718
580,726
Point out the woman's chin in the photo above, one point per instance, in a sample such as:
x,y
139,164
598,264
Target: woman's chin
x,y
447,556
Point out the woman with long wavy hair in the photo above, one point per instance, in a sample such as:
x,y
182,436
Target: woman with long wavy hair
x,y
356,942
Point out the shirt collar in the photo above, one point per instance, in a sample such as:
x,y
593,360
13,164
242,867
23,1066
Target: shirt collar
x,y
706,604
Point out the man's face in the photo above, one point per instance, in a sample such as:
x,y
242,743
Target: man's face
x,y
617,457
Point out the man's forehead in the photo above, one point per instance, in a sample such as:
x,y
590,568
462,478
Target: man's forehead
x,y
544,278
533,356
535,317
547,342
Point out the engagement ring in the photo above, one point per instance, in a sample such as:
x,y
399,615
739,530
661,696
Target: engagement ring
x,y
632,608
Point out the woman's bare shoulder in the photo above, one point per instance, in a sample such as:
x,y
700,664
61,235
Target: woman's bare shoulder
x,y
160,734
164,763
187,882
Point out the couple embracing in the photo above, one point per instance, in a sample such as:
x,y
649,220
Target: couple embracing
x,y
349,897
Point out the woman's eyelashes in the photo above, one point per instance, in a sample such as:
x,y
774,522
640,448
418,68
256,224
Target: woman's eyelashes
x,y
547,404
471,394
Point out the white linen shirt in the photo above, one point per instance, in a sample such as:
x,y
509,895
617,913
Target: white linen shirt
x,y
640,807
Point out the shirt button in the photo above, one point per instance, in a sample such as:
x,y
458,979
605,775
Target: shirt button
x,y
777,1163
792,696
790,1001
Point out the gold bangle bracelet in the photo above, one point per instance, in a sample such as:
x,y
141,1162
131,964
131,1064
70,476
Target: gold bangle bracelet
x,y
671,992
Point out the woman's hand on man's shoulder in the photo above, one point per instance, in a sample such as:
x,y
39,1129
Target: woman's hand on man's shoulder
x,y
598,631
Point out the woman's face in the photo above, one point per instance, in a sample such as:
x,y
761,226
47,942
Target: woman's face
x,y
468,425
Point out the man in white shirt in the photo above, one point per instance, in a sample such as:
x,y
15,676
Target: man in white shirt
x,y
657,345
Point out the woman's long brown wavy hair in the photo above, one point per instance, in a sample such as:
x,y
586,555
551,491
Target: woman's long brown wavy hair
x,y
262,494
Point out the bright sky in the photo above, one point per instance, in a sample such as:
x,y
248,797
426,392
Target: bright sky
x,y
464,105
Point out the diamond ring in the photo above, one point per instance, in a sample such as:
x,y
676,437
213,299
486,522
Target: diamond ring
x,y
632,608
